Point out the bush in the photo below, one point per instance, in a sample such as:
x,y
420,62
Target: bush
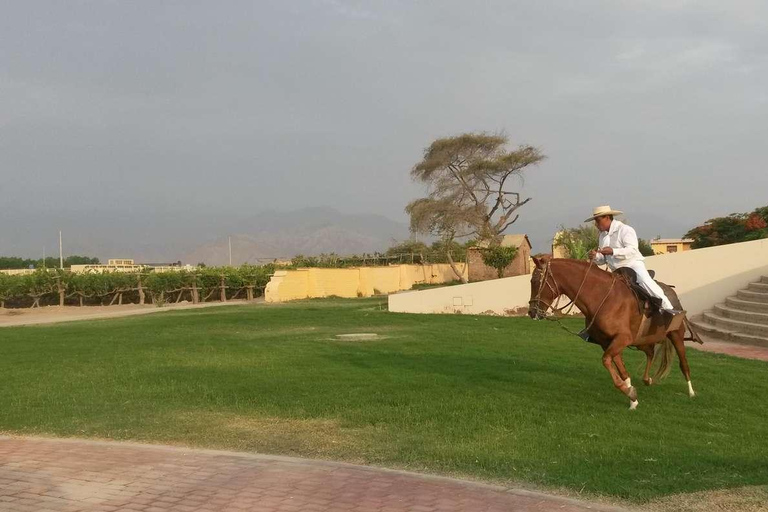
x,y
42,286
498,257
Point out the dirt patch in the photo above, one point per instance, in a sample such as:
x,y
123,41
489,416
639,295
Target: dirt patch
x,y
308,437
56,314
740,499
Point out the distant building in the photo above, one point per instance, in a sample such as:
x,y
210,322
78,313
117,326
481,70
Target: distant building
x,y
479,271
558,251
129,265
670,245
18,271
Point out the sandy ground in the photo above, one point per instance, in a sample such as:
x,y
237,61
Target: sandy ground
x,y
55,314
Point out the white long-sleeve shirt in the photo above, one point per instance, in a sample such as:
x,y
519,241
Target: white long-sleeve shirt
x,y
623,240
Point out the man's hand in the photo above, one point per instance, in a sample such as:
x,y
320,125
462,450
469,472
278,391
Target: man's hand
x,y
606,251
592,254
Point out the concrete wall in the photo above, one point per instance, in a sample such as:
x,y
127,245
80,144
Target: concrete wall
x,y
307,283
702,278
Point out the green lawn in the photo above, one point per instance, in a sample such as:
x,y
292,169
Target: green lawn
x,y
500,399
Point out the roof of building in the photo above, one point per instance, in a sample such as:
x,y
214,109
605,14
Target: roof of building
x,y
510,241
672,241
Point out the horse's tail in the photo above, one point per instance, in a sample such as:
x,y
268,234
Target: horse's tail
x,y
665,354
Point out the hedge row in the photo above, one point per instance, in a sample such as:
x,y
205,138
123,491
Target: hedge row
x,y
61,287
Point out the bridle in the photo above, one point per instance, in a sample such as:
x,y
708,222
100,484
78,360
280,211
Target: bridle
x,y
555,289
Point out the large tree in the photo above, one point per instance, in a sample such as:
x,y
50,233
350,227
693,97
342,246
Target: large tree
x,y
469,179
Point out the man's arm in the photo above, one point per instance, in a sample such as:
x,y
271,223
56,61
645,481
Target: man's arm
x,y
596,255
630,246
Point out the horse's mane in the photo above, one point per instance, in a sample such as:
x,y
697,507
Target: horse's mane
x,y
578,267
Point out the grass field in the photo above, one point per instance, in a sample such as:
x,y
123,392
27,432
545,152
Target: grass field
x,y
499,399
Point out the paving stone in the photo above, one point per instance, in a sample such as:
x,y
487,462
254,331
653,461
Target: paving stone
x,y
64,475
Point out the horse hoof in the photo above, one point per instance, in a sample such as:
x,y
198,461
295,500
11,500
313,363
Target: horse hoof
x,y
632,394
633,405
648,382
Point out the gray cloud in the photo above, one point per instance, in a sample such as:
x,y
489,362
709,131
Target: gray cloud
x,y
657,107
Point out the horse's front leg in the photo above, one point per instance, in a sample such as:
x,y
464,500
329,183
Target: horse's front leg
x,y
623,374
614,350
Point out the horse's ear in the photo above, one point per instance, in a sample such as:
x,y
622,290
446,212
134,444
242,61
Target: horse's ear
x,y
541,260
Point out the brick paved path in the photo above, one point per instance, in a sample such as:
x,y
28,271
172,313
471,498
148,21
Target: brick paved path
x,y
730,348
73,475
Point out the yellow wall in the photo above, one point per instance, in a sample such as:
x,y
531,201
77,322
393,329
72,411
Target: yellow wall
x,y
307,283
661,248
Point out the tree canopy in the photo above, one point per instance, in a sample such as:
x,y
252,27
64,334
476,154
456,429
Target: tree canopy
x,y
733,228
15,262
469,178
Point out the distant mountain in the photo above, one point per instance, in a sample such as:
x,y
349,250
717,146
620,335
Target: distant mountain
x,y
309,232
197,237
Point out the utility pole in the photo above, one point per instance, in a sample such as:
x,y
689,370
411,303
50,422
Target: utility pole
x,y
229,240
61,253
43,257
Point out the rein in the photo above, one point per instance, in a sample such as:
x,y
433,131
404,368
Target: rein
x,y
556,291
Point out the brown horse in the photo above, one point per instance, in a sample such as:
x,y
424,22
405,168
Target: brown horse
x,y
613,319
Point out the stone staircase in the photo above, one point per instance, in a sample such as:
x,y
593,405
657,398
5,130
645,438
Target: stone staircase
x,y
742,319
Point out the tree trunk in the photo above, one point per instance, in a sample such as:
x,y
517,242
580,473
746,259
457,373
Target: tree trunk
x,y
223,289
61,290
36,303
195,293
249,292
120,299
141,292
80,296
181,293
460,275
114,298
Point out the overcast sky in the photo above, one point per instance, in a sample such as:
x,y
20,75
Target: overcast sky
x,y
659,108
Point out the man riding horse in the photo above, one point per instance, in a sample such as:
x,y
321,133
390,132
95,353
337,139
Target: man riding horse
x,y
618,247
617,316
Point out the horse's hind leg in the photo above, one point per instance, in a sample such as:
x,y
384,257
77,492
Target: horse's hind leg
x,y
677,338
648,349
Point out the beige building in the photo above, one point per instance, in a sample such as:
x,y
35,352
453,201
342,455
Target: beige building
x,y
18,271
670,245
113,265
127,265
479,271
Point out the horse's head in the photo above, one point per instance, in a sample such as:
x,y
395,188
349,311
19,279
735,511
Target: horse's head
x,y
543,288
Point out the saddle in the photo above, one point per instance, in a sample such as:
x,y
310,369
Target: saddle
x,y
645,302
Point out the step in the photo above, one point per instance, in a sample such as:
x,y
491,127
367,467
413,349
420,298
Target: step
x,y
736,325
758,287
707,329
752,296
746,305
741,315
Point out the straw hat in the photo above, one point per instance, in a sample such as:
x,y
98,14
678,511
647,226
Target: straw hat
x,y
603,210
